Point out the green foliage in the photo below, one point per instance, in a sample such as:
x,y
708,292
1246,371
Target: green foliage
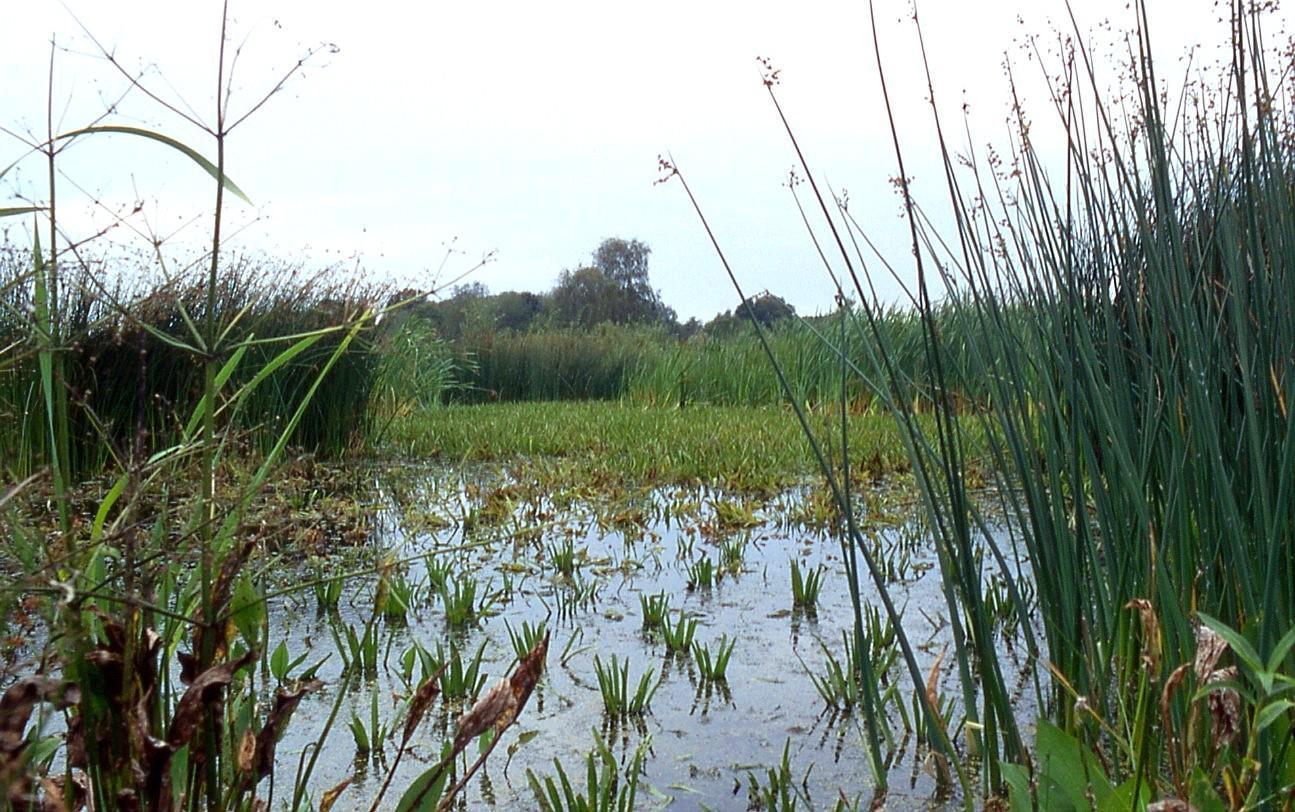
x,y
741,449
806,585
777,792
614,685
655,610
678,638
713,666
701,573
606,788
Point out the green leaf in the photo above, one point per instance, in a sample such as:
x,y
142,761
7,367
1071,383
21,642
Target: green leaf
x,y
101,515
279,661
1063,760
247,610
484,740
1018,787
1271,713
1280,650
359,733
425,793
1123,798
192,153
1204,797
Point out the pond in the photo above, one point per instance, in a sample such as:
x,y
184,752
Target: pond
x,y
588,566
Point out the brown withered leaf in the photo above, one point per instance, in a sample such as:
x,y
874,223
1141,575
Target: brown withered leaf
x,y
18,700
285,702
505,700
422,700
220,593
1176,678
53,800
1151,645
246,751
527,673
1225,709
16,705
933,679
204,690
330,797
1209,648
496,710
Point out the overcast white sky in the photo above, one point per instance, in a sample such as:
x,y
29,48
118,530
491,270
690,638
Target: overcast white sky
x,y
528,129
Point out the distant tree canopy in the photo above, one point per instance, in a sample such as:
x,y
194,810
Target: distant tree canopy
x,y
615,289
767,309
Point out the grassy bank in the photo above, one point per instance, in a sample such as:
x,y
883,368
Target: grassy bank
x,y
759,448
130,369
653,367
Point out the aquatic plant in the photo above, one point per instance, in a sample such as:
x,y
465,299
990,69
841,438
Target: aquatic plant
x,y
713,666
606,788
701,573
459,597
805,586
525,639
459,678
678,638
777,792
614,685
732,552
655,610
563,557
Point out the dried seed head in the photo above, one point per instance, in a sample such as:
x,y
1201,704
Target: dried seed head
x,y
1151,647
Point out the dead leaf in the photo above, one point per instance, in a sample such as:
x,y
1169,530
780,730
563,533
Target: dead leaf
x,y
1225,709
1151,645
203,691
246,751
331,796
422,700
496,710
285,702
1209,648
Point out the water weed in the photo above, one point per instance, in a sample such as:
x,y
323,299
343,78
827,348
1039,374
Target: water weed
x,y
713,666
678,637
614,685
805,586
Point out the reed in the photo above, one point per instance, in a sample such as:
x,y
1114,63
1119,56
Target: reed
x,y
1129,316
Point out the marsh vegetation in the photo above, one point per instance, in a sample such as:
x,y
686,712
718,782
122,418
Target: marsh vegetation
x,y
1023,541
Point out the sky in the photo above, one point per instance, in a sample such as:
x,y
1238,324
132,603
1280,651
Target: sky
x,y
417,139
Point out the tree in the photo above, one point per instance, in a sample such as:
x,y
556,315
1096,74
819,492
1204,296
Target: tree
x,y
615,288
767,309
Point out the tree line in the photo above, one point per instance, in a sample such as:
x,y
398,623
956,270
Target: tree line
x,y
613,288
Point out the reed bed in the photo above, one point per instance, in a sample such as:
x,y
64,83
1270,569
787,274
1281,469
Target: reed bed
x,y
1134,312
128,381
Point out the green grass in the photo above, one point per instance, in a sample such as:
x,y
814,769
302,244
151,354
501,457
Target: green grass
x,y
758,448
